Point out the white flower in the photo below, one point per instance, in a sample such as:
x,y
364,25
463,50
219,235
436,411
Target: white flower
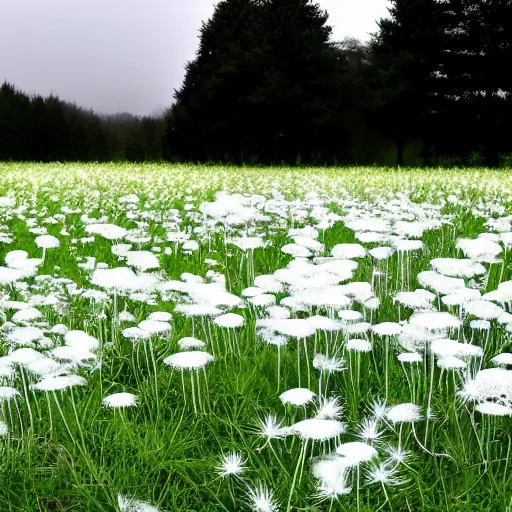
x,y
368,429
329,408
133,505
356,452
261,499
271,428
404,413
232,464
118,400
297,396
328,364
382,474
318,429
332,474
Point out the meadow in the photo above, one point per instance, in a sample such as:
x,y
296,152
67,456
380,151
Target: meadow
x,y
187,338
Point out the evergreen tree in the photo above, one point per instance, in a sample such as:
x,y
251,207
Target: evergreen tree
x,y
474,87
404,53
264,86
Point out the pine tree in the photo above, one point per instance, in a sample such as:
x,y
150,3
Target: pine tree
x,y
474,90
263,86
403,53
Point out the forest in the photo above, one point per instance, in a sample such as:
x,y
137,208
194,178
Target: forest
x,y
269,86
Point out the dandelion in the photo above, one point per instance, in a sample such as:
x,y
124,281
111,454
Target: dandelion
x,y
132,505
120,400
231,464
261,499
193,360
368,430
329,409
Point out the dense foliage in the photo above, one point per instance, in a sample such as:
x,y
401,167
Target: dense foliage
x,y
48,129
268,85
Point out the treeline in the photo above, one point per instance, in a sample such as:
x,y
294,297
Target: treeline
x,y
48,129
269,86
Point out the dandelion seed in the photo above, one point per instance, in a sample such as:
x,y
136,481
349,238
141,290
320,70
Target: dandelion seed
x,y
261,499
368,429
120,400
271,428
329,409
231,464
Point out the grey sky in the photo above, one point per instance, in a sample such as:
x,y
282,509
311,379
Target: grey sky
x,y
124,55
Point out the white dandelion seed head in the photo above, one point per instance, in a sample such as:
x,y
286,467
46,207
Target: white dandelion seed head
x,y
120,400
59,383
231,464
332,474
410,357
368,429
359,345
261,499
329,408
356,452
318,429
297,396
192,360
328,364
493,409
404,413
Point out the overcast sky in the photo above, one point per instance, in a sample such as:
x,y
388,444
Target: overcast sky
x,y
124,55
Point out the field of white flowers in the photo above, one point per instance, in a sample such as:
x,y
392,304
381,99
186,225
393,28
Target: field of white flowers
x,y
233,339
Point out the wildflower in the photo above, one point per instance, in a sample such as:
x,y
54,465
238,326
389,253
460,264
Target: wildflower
x,y
270,427
118,400
329,408
261,499
382,474
368,429
232,464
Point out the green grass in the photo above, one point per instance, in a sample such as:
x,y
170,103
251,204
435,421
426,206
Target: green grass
x,y
162,452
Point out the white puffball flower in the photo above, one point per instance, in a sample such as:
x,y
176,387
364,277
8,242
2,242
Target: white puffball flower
x,y
160,316
229,320
493,409
404,413
435,321
142,260
8,393
503,359
318,429
59,383
3,429
332,474
118,400
410,357
356,452
108,231
189,360
154,326
451,363
47,242
135,333
126,316
231,464
189,342
297,396
359,345
387,329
